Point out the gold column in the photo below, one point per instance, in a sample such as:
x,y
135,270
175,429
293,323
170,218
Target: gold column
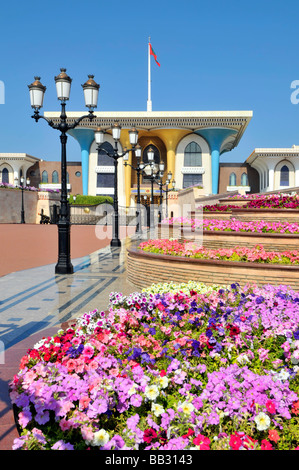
x,y
171,138
125,142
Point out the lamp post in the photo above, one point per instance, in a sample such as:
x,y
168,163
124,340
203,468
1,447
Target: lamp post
x,y
160,184
22,180
63,87
139,169
166,191
99,138
156,170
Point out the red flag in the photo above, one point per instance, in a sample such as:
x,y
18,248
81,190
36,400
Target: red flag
x,y
152,52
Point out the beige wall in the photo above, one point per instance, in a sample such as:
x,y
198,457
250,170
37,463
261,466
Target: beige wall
x,y
11,205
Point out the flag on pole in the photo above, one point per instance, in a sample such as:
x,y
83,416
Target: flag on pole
x,y
152,52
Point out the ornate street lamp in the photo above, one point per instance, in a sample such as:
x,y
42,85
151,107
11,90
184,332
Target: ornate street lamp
x,y
99,139
156,172
22,180
139,169
160,184
167,190
63,87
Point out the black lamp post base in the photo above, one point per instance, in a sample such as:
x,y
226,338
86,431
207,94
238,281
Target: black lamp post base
x,y
64,264
64,268
115,242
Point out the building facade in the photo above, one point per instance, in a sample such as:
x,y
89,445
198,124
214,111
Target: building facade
x,y
189,143
13,166
278,169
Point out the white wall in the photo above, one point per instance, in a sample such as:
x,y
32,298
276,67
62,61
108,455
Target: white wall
x,y
206,161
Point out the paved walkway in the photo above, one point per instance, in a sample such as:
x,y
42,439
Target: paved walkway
x,y
35,302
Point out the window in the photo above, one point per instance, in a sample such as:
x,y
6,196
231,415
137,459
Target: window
x,y
67,177
232,179
192,155
54,177
103,158
105,180
78,174
5,178
192,180
244,179
44,176
284,176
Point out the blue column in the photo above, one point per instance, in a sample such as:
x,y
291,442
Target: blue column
x,y
84,137
215,154
215,137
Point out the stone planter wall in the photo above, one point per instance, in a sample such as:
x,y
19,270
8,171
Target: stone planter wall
x,y
234,202
269,215
210,215
217,239
166,231
143,269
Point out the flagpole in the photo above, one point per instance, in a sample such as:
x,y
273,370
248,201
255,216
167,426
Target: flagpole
x,y
149,101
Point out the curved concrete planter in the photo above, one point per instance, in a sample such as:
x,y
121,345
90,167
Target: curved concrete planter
x,y
217,239
211,215
166,231
270,215
144,269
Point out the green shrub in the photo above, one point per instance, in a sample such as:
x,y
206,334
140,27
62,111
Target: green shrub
x,y
90,200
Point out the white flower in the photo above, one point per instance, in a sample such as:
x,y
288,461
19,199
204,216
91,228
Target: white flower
x,y
151,392
163,381
242,359
187,407
262,421
157,409
133,390
283,375
100,438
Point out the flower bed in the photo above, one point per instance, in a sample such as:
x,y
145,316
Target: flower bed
x,y
243,254
277,201
26,188
217,233
170,260
234,225
210,370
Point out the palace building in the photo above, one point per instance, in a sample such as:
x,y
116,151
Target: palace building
x,y
189,143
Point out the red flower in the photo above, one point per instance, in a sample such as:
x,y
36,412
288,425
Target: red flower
x,y
189,433
149,435
234,330
295,407
266,445
162,373
235,442
273,435
270,406
202,441
34,354
249,442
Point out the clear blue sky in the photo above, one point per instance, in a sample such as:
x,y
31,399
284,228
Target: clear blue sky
x,y
216,55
